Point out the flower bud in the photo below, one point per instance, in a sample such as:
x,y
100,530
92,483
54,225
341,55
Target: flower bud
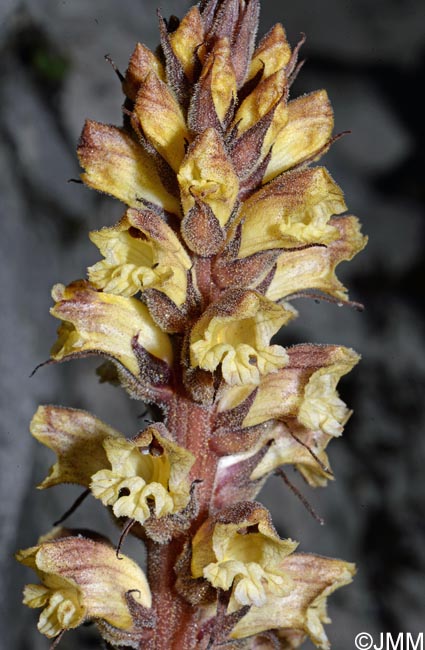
x,y
207,174
116,164
141,63
271,54
186,40
161,119
307,130
260,101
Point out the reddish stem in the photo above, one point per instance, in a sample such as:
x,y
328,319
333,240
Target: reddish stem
x,y
176,619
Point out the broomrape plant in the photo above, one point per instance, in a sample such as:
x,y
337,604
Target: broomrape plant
x,y
227,222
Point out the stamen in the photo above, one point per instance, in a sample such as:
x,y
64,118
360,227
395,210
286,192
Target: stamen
x,y
127,527
323,297
49,362
311,452
78,501
57,640
295,490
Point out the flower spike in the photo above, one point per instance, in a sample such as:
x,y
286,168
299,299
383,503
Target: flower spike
x,y
227,221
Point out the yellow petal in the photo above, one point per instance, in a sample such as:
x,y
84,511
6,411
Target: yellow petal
x,y
242,549
260,101
314,268
35,596
236,333
60,595
139,478
279,120
291,211
303,609
162,120
141,252
114,163
95,322
305,389
64,610
83,579
321,407
76,438
292,444
207,174
218,72
141,63
186,39
308,128
272,54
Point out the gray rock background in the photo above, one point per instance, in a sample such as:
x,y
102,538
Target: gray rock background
x,y
370,57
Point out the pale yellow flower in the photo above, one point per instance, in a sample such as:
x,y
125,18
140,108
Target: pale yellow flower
x,y
302,611
307,130
207,175
141,252
148,474
237,333
321,407
241,551
95,322
292,444
314,268
291,211
82,579
305,389
76,438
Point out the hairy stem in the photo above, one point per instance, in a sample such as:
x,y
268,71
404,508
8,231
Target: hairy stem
x,y
176,619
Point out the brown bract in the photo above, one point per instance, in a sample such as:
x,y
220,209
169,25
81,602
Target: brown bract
x,y
141,64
